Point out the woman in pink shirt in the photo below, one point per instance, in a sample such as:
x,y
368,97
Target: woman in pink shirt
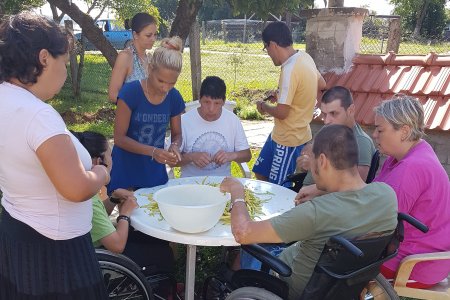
x,y
413,170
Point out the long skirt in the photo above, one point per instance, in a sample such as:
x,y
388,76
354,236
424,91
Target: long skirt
x,y
33,266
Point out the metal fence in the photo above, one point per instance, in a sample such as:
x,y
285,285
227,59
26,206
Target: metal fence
x,y
375,35
232,50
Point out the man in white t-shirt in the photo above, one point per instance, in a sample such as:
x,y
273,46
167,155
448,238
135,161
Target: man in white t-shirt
x,y
213,137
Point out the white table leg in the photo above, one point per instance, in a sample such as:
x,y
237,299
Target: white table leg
x,y
190,271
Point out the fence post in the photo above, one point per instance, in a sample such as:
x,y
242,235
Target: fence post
x,y
73,60
203,32
196,67
393,43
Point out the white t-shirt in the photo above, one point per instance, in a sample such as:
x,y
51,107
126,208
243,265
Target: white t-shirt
x,y
199,135
28,194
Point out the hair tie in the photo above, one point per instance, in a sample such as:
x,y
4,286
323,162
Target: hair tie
x,y
170,46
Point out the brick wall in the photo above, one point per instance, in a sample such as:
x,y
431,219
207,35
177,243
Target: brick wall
x,y
439,140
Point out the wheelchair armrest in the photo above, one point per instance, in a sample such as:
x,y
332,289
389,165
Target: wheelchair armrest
x,y
266,257
413,221
347,245
407,264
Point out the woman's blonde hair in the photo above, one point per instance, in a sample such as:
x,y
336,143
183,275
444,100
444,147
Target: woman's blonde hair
x,y
403,110
168,55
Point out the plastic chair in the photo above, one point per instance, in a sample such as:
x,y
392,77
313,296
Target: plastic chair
x,y
440,291
230,105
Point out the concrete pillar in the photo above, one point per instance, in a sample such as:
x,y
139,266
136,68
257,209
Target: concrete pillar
x,y
333,36
335,3
393,43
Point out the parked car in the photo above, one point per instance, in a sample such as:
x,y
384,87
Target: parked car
x,y
118,36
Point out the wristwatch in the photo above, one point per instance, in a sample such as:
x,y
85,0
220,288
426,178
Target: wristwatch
x,y
123,217
235,201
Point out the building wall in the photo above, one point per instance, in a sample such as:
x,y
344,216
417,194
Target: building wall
x,y
439,140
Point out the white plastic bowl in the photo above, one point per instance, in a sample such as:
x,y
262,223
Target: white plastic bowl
x,y
191,208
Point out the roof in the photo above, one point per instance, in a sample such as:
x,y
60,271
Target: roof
x,y
373,78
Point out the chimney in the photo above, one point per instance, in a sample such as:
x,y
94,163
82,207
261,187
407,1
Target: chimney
x,y
333,35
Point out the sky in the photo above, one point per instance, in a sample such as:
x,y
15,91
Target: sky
x,y
382,7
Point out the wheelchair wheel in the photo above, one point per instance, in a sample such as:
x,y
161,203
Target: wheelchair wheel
x,y
122,277
252,293
380,289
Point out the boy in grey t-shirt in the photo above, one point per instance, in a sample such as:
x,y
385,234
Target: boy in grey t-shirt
x,y
351,208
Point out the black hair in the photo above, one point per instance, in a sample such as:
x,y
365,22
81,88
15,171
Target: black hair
x,y
141,20
338,93
95,143
338,144
22,37
277,32
213,87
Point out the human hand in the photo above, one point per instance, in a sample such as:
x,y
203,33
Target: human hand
x,y
122,194
304,160
175,150
272,97
222,157
101,169
127,206
233,186
200,159
259,106
306,193
165,157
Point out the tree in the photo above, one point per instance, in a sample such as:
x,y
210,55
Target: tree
x,y
414,14
263,8
14,6
186,14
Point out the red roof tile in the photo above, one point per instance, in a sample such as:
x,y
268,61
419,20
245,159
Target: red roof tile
x,y
374,78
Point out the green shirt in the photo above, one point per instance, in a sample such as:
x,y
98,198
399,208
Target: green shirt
x,y
350,214
366,150
101,224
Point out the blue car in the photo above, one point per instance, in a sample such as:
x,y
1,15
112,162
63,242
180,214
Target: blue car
x,y
118,36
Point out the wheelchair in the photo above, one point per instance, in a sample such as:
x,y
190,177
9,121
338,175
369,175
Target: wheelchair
x,y
297,178
346,270
124,279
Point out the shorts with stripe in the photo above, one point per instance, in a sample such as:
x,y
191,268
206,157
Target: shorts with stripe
x,y
276,161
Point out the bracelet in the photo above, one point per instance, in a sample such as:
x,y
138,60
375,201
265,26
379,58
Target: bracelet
x,y
123,217
236,201
153,153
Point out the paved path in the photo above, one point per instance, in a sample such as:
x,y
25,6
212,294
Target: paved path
x,y
257,132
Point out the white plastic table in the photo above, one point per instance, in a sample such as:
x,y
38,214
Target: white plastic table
x,y
279,200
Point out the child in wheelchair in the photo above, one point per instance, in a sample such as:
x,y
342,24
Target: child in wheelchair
x,y
153,256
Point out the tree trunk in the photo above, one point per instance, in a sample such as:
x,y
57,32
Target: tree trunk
x,y
421,13
54,10
185,16
92,32
2,9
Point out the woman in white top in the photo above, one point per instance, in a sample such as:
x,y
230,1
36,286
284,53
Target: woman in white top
x,y
132,63
46,175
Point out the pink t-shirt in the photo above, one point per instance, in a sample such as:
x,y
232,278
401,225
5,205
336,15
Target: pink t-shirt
x,y
423,191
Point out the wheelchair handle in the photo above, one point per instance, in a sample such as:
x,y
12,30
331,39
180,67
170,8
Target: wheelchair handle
x,y
347,245
413,221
